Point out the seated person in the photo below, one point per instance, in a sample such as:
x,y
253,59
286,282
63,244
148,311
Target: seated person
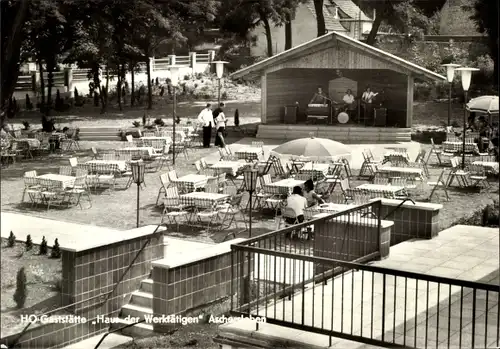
x,y
319,97
311,197
484,134
298,203
348,99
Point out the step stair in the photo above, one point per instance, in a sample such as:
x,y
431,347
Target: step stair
x,y
141,304
112,340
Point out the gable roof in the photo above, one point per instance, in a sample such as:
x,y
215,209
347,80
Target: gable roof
x,y
351,9
331,23
297,50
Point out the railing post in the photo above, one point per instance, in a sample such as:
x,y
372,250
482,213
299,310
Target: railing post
x,y
192,60
171,59
68,80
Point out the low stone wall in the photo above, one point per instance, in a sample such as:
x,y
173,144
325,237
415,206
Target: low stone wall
x,y
411,221
184,285
91,272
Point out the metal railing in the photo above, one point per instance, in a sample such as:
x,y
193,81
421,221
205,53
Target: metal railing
x,y
398,207
105,295
364,303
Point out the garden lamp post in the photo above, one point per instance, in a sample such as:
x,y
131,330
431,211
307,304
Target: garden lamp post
x,y
250,176
466,75
219,69
138,169
450,74
174,80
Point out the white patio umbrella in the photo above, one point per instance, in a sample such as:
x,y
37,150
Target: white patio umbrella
x,y
312,148
484,104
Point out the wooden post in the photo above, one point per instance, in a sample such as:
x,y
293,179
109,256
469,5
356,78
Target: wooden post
x,y
263,98
193,62
409,100
171,59
68,81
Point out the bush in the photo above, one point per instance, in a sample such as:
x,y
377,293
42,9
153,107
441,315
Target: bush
x,y
48,125
29,243
56,251
136,123
43,247
26,125
144,118
187,77
159,122
59,103
11,241
224,95
236,118
21,292
29,105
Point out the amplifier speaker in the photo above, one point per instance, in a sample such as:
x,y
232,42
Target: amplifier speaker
x,y
291,112
380,117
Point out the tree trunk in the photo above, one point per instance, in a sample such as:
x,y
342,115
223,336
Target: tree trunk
x,y
269,38
132,83
150,87
11,51
104,93
119,87
288,33
42,85
320,18
50,84
370,40
97,82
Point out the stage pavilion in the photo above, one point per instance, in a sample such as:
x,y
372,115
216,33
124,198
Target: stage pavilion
x,y
336,63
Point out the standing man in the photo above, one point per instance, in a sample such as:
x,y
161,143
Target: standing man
x,y
215,115
205,119
367,99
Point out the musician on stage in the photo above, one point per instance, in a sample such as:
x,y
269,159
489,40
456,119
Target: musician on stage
x,y
349,104
367,99
319,97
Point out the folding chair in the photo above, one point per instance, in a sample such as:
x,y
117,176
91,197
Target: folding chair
x,y
174,209
346,190
289,218
107,175
79,189
52,193
420,159
440,183
172,177
436,151
66,170
165,182
206,209
73,162
163,159
95,154
457,173
477,174
229,211
31,186
212,186
367,168
73,139
333,177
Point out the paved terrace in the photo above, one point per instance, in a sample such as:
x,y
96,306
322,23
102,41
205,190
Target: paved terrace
x,y
461,252
355,162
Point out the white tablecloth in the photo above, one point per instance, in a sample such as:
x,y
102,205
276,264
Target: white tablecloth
x,y
415,171
61,180
122,165
284,186
488,165
229,167
203,199
191,182
380,188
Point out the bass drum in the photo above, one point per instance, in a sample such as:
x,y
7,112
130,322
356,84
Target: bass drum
x,y
343,118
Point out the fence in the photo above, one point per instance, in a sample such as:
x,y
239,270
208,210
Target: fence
x,y
292,286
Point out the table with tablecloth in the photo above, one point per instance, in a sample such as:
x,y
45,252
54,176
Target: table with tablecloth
x,y
489,166
283,187
151,141
229,167
326,209
395,157
457,147
121,164
143,152
178,135
32,142
405,172
382,189
313,170
190,182
248,154
61,181
203,199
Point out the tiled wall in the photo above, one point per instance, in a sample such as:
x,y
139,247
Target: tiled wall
x,y
90,273
180,289
412,221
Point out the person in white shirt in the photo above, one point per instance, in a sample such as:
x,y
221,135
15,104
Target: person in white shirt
x,y
367,99
297,203
350,106
348,98
220,126
206,119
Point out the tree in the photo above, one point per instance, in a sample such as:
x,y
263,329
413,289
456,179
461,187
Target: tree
x,y
485,15
286,10
320,17
21,288
13,14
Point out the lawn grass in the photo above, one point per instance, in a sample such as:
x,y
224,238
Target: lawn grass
x,y
43,276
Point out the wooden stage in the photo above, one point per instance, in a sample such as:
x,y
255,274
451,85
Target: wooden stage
x,y
348,133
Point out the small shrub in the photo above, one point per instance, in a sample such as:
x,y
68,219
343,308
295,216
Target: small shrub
x,y
157,82
43,247
21,291
136,123
236,118
159,122
56,251
144,118
29,243
26,125
11,241
187,77
223,95
59,102
29,105
162,91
